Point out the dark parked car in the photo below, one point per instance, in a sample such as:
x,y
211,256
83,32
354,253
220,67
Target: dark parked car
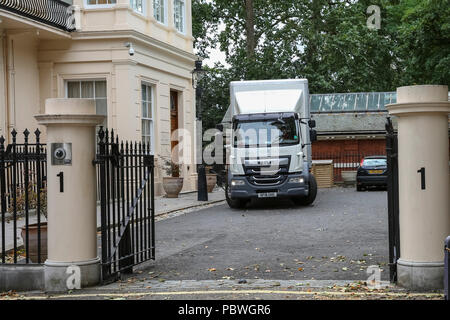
x,y
372,172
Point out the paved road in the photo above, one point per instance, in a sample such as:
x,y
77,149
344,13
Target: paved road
x,y
206,254
134,289
337,238
162,206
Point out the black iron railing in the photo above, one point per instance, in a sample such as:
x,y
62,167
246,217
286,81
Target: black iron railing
x,y
23,200
56,13
393,199
126,182
447,268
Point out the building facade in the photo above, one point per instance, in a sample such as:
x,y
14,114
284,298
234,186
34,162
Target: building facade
x,y
351,123
351,126
134,57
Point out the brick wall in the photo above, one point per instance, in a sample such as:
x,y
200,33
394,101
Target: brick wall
x,y
350,146
346,154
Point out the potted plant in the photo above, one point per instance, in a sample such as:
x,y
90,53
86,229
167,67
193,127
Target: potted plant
x,y
173,183
33,229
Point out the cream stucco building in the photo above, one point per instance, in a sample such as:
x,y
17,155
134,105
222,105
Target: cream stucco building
x,y
145,96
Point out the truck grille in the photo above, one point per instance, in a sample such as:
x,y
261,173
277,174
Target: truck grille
x,y
260,173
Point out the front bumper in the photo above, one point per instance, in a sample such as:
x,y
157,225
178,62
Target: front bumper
x,y
285,190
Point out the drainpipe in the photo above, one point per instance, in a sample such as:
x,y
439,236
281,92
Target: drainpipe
x,y
4,102
11,91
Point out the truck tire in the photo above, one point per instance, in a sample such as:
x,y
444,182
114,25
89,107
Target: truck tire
x,y
309,199
233,203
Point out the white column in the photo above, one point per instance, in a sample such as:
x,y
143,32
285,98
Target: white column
x,y
73,260
3,88
422,113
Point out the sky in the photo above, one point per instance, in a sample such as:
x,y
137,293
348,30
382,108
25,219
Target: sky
x,y
215,54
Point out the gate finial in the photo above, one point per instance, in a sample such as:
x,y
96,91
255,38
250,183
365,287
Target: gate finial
x,y
101,134
14,134
2,143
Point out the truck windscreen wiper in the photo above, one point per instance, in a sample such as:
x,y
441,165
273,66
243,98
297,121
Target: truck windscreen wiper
x,y
280,121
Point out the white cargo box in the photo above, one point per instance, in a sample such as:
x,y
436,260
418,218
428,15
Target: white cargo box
x,y
266,96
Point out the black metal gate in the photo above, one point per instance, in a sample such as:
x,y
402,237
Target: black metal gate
x,y
23,199
126,183
393,200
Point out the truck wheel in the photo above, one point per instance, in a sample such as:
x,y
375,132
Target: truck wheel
x,y
309,199
233,204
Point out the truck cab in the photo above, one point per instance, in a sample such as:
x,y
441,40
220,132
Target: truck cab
x,y
270,145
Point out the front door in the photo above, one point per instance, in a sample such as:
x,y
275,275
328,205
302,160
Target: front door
x,y
173,119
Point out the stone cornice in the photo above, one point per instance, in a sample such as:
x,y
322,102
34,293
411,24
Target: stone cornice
x,y
418,107
74,119
138,37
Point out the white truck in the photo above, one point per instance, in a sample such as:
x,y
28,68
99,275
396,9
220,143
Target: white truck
x,y
270,150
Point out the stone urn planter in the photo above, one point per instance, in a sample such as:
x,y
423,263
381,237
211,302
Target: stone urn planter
x,y
173,183
33,241
211,181
172,186
349,177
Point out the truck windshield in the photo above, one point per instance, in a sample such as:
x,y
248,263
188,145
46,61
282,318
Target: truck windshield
x,y
266,133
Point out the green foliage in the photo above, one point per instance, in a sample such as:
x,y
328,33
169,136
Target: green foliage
x,y
203,26
425,40
32,197
171,168
325,41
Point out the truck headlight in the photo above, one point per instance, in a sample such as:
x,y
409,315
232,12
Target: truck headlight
x,y
237,183
297,180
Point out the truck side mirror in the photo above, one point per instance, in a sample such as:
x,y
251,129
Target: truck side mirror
x,y
312,123
313,135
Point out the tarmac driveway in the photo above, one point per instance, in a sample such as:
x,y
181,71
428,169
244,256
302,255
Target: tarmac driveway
x,y
337,238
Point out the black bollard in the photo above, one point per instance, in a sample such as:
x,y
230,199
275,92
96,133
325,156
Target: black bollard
x,y
201,184
447,269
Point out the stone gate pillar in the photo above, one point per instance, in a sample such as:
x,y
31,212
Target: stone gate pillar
x,y
424,193
73,261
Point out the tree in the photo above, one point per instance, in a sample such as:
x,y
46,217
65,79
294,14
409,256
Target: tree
x,y
423,35
325,41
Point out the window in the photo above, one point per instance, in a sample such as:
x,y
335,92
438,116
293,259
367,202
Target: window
x,y
179,15
266,133
100,2
147,115
375,162
138,6
90,89
159,10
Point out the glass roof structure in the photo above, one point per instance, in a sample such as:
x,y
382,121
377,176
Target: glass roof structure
x,y
351,102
